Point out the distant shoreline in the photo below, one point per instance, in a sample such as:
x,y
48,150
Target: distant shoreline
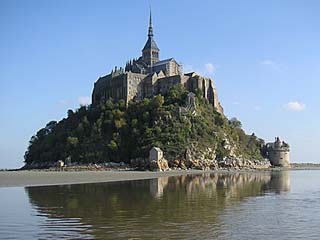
x,y
305,166
28,178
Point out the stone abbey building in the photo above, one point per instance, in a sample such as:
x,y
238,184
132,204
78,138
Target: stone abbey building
x,y
148,76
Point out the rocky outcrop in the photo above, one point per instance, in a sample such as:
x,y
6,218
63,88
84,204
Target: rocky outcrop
x,y
159,165
146,164
206,160
241,163
229,146
199,159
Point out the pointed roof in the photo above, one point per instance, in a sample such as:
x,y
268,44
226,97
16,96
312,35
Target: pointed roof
x,y
150,30
150,44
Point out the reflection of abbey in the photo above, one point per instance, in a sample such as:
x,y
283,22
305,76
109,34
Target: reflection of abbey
x,y
148,76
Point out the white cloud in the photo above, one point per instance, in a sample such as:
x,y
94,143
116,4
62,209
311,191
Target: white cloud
x,y
206,69
210,68
270,63
295,106
83,101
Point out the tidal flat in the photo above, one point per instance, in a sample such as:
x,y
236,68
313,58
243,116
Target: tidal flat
x,y
44,178
26,178
192,205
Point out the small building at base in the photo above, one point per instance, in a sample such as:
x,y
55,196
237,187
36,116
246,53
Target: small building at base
x,y
60,164
278,153
155,154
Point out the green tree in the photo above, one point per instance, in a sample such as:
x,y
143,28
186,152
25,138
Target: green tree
x,y
235,123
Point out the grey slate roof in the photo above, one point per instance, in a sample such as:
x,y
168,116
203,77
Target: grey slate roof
x,y
150,44
163,62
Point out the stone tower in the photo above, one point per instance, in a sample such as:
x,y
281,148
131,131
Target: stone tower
x,y
150,52
278,153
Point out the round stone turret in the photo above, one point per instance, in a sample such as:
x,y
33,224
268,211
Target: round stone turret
x,y
279,153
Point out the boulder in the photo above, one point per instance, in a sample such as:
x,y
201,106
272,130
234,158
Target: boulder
x,y
159,165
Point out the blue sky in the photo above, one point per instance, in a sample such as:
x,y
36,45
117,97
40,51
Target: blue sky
x,y
264,57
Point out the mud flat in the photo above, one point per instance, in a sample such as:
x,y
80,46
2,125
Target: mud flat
x,y
42,178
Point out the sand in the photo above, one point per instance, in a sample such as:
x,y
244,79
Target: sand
x,y
43,178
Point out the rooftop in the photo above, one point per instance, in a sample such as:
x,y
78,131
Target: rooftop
x,y
163,61
150,44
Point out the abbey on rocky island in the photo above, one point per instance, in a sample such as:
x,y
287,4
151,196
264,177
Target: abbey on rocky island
x,y
148,76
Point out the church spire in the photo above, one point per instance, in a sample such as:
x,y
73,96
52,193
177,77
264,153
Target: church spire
x,y
150,52
150,32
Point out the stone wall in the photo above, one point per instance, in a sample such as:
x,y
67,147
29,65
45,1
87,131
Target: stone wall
x,y
170,67
164,84
110,86
279,157
136,86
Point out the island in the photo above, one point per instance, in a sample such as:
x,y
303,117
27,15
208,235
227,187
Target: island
x,y
151,115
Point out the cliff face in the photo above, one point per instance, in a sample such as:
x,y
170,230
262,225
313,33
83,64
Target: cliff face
x,y
185,126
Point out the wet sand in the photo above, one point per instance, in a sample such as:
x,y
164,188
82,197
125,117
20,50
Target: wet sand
x,y
42,178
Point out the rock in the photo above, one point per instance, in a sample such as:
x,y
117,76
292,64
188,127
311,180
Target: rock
x,y
203,159
240,163
182,165
213,164
229,146
153,165
175,163
160,165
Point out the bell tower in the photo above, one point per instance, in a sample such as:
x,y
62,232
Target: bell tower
x,y
150,52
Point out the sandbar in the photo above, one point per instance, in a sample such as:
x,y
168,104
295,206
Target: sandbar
x,y
43,178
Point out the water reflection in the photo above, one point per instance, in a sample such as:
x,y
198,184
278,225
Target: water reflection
x,y
280,182
172,207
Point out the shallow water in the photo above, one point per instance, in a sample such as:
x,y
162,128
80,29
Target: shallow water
x,y
263,205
